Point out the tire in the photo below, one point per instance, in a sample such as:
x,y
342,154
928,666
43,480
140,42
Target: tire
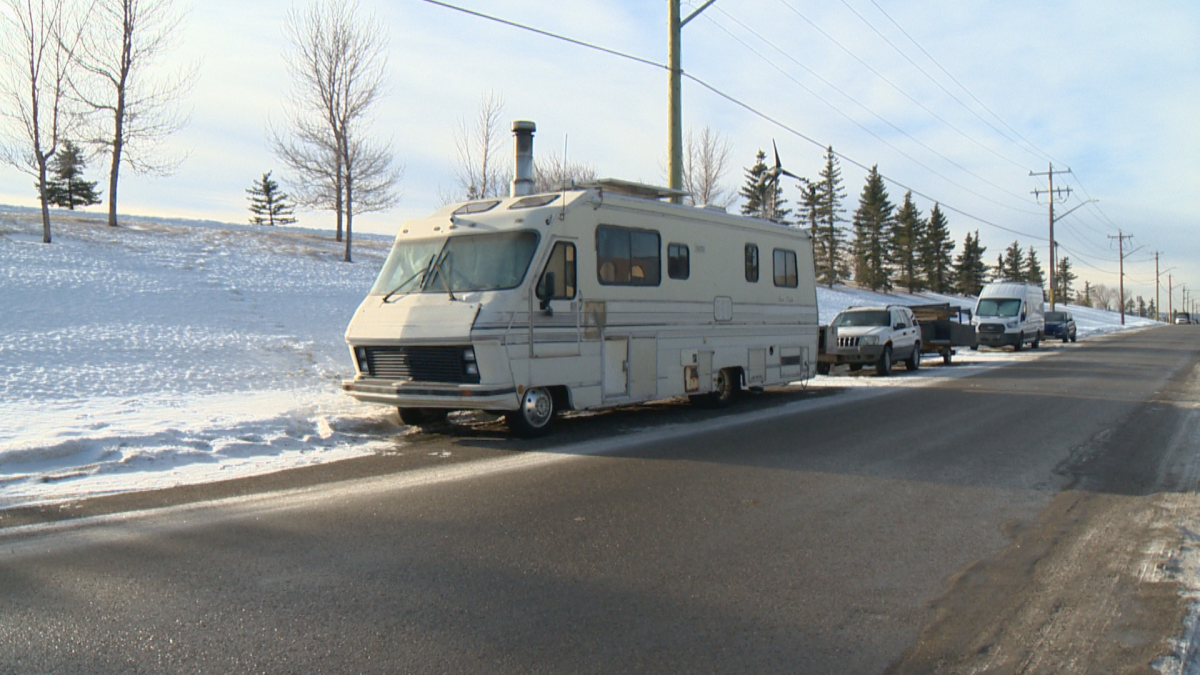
x,y
727,388
1066,339
419,417
855,367
535,416
913,362
1037,340
1072,337
1020,343
947,357
823,367
883,367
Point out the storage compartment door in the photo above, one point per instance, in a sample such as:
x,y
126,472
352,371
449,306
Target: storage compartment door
x,y
643,368
616,367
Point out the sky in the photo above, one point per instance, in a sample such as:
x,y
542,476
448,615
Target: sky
x,y
958,102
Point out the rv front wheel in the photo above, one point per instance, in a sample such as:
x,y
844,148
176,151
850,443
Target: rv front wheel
x,y
534,416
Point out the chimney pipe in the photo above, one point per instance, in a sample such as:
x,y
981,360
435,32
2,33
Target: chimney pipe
x,y
523,174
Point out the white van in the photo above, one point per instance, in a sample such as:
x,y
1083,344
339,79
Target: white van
x,y
596,296
1009,313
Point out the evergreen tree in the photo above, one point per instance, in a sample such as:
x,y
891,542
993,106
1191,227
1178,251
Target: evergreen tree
x,y
1063,280
268,204
907,232
1012,265
1033,269
68,188
1152,311
763,195
829,235
998,273
1141,306
937,249
970,272
872,223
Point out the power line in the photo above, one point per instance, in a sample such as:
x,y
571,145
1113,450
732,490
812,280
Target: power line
x,y
868,110
727,97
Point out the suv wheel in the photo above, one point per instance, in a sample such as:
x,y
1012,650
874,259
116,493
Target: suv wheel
x,y
883,367
913,362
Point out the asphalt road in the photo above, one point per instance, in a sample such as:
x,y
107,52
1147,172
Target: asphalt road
x,y
1022,520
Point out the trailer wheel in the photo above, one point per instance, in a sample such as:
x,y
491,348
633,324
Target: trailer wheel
x,y
419,417
823,367
947,356
913,362
534,416
883,366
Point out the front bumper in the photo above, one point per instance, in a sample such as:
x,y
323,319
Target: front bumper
x,y
863,354
407,394
999,339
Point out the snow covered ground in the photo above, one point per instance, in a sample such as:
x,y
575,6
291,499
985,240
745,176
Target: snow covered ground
x,y
169,352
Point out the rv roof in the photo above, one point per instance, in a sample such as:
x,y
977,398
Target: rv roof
x,y
626,187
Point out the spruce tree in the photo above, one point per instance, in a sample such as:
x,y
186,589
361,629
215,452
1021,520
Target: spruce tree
x,y
970,271
268,204
937,249
68,188
1063,280
905,236
1011,266
1033,269
830,236
872,222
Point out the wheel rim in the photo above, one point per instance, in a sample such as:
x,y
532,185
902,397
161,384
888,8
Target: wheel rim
x,y
724,385
537,407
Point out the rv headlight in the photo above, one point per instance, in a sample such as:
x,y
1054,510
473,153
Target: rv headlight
x,y
469,354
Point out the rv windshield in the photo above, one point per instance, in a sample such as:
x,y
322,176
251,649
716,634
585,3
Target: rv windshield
x,y
866,318
464,263
1002,307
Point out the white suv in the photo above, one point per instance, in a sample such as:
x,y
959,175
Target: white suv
x,y
860,336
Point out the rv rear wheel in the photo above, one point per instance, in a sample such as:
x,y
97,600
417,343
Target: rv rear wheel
x,y
728,384
534,416
416,417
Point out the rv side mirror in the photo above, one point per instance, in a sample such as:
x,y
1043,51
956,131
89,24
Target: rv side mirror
x,y
546,290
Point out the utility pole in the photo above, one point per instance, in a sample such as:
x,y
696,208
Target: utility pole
x,y
1157,307
1170,300
1121,237
674,94
1051,191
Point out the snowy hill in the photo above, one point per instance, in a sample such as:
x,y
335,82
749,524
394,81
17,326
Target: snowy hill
x,y
169,352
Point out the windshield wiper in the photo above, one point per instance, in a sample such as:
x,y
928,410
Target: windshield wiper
x,y
437,269
419,274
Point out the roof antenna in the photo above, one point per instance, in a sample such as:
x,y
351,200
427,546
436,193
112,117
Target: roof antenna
x,y
562,215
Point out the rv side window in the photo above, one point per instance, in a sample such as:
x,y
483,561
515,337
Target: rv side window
x,y
785,268
751,263
562,266
628,257
678,264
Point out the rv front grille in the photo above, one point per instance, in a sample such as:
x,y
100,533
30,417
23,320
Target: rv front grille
x,y
851,341
421,364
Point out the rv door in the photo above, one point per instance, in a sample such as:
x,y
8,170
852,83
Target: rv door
x,y
554,320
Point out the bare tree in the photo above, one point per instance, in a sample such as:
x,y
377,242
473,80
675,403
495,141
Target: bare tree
x,y
134,112
479,143
37,53
554,171
338,66
705,161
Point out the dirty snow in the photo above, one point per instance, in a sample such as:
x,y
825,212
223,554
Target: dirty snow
x,y
171,352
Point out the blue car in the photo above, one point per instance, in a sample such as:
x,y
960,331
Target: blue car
x,y
1060,325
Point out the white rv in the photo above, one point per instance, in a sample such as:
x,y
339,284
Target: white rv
x,y
592,297
1009,313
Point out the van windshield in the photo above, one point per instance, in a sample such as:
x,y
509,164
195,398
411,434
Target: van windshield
x,y
865,318
462,263
1002,307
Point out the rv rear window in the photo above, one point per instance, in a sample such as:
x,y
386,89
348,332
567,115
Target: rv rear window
x,y
476,207
785,268
532,202
752,263
678,262
628,257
